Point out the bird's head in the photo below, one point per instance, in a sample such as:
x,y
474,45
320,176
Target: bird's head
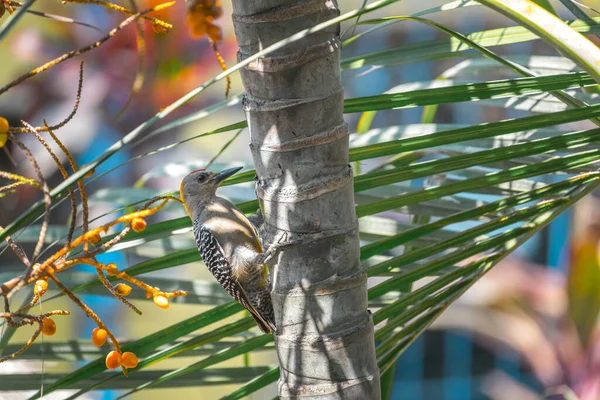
x,y
199,186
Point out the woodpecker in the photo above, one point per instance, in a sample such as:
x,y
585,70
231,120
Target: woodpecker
x,y
229,244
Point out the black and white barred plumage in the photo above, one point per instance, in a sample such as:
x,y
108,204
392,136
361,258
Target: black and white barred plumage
x,y
255,298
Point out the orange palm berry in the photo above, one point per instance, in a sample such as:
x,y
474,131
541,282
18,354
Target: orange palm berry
x,y
3,124
138,224
129,360
48,326
161,301
40,287
99,337
123,289
113,360
112,269
148,295
93,237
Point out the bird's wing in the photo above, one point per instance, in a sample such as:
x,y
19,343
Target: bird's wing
x,y
256,235
214,258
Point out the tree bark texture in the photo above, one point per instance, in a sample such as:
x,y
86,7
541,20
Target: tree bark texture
x,y
299,142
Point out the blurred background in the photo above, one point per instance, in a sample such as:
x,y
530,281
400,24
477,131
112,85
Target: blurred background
x,y
517,332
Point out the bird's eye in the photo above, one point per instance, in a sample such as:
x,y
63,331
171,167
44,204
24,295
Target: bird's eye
x,y
201,178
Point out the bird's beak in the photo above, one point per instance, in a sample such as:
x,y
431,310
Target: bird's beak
x,y
221,176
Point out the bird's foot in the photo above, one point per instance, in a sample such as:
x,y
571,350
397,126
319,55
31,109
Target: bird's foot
x,y
279,244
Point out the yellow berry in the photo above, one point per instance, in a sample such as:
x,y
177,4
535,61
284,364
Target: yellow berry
x,y
48,326
112,269
123,289
129,360
3,125
161,301
138,224
113,360
94,238
3,131
40,287
99,337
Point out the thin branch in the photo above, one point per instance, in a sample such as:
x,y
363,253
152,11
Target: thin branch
x,y
222,64
80,185
11,187
7,315
26,346
18,250
45,189
66,120
19,178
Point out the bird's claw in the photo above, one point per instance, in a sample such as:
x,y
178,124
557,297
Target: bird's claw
x,y
283,239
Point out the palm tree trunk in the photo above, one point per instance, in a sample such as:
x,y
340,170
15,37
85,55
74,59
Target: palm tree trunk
x,y
299,142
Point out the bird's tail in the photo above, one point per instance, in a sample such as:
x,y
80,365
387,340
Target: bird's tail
x,y
263,310
264,325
